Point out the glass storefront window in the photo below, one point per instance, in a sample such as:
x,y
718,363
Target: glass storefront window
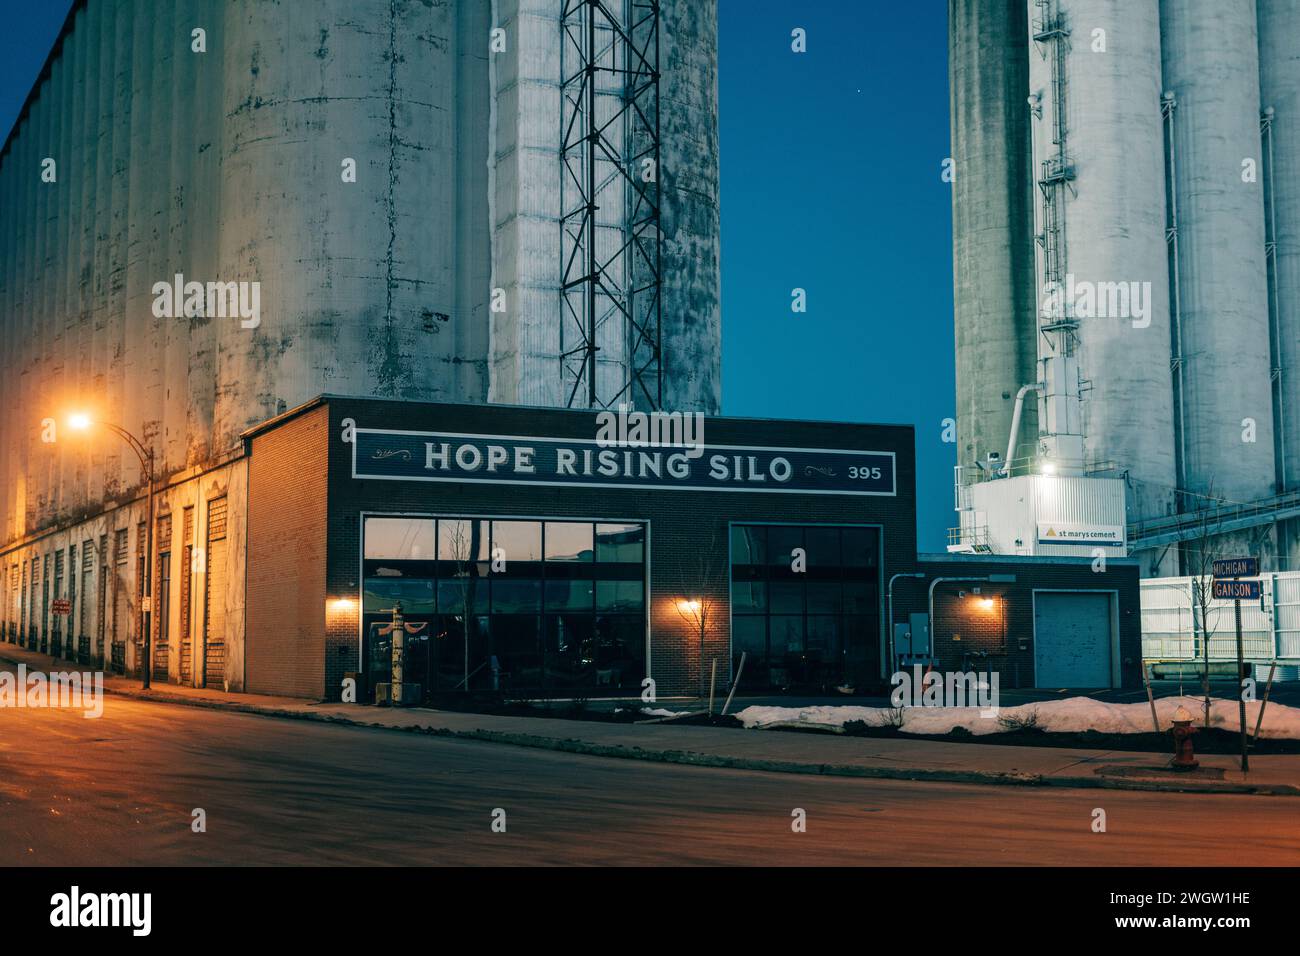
x,y
460,540
570,595
816,628
402,539
569,542
748,550
414,594
511,596
620,595
516,543
748,596
620,543
566,611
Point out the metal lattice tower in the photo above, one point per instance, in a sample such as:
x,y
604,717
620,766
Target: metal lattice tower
x,y
610,236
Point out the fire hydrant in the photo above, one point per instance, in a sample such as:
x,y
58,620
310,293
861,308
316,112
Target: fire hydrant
x,y
1184,758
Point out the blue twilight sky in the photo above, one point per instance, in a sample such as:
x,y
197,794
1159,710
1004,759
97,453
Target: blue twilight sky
x,y
831,164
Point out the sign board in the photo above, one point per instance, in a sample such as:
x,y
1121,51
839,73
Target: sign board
x,y
61,606
1237,568
146,604
1093,535
584,463
1227,589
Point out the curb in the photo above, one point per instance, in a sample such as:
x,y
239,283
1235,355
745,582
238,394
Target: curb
x,y
691,758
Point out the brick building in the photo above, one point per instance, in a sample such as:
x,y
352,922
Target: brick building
x,y
532,557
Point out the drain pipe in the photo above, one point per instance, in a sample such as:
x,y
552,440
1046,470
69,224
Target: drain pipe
x,y
1015,424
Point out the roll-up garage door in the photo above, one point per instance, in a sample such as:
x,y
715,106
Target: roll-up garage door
x,y
1072,639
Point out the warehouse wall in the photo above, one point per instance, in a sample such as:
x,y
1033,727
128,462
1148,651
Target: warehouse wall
x,y
227,165
961,628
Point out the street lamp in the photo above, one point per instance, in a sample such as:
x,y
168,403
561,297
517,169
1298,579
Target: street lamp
x,y
80,421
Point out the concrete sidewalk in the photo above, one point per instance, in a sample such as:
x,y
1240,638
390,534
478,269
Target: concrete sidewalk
x,y
773,751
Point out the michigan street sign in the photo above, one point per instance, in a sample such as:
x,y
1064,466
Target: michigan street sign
x,y
1232,590
1237,568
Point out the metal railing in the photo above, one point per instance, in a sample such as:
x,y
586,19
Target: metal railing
x,y
1216,519
976,538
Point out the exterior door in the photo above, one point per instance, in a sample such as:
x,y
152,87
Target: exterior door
x,y
1072,640
214,598
162,614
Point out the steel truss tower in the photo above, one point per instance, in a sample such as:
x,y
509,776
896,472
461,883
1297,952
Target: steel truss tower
x,y
610,237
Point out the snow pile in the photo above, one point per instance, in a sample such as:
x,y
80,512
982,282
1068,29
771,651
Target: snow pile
x,y
1073,714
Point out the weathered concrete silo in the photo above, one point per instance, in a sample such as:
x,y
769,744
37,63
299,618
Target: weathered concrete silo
x,y
378,169
1094,81
1211,66
1279,78
993,253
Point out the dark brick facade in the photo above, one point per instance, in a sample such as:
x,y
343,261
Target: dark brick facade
x,y
305,513
687,529
1006,631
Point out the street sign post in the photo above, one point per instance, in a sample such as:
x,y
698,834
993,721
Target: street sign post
x,y
1229,586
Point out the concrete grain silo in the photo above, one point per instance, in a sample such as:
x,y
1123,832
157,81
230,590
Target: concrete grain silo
x,y
221,156
993,253
1211,66
1147,167
383,175
1094,88
1279,78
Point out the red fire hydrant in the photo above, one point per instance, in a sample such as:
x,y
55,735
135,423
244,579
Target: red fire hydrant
x,y
1184,758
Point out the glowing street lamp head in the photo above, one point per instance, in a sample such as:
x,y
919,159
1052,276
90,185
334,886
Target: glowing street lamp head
x,y
79,421
689,606
1049,468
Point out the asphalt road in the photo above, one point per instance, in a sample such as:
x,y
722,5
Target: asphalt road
x,y
120,790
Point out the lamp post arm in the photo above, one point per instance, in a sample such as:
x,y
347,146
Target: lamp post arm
x,y
145,455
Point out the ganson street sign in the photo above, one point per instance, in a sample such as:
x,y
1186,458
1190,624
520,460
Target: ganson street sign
x,y
515,460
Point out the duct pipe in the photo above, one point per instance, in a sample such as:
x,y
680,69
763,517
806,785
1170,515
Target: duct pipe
x,y
1015,424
